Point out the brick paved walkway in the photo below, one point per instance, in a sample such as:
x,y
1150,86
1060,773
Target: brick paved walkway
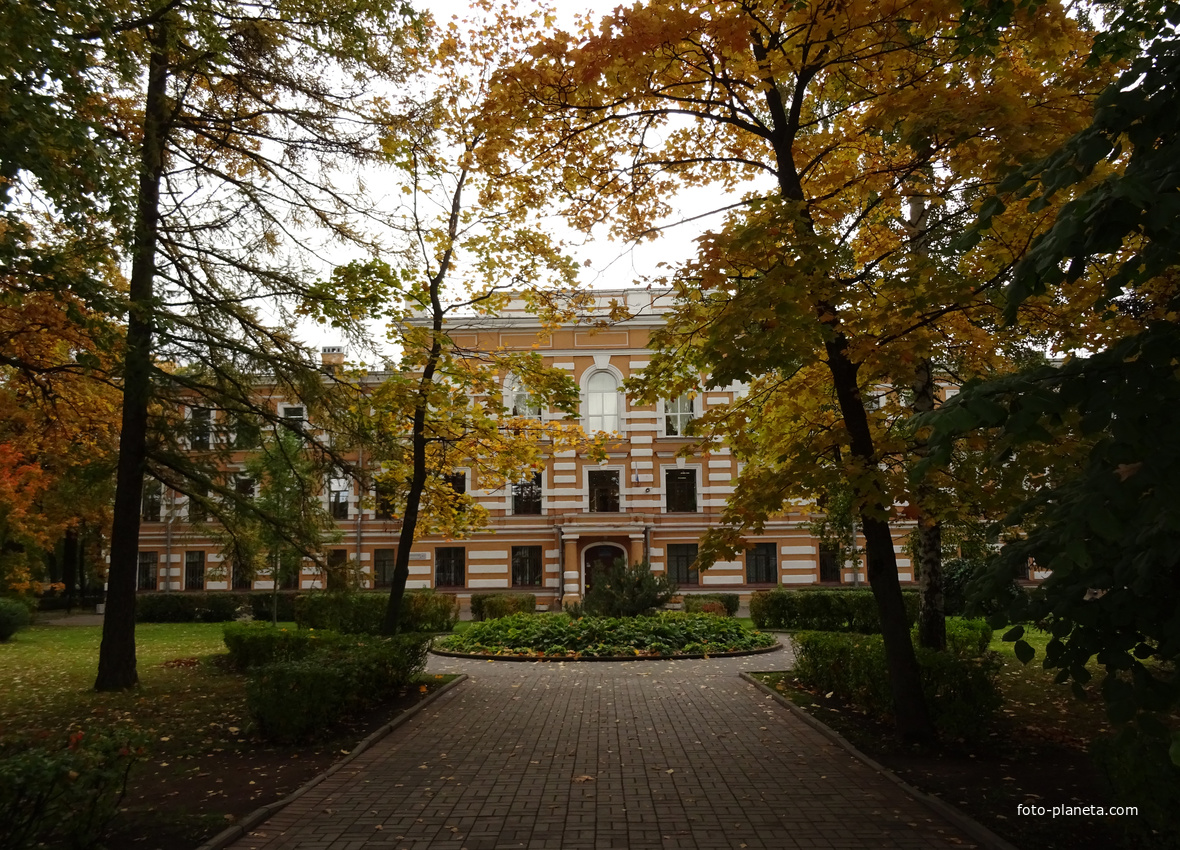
x,y
641,755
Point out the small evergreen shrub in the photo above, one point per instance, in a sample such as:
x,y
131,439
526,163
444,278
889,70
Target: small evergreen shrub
x,y
853,610
14,615
624,591
66,795
730,602
967,637
488,606
960,691
254,644
299,699
709,607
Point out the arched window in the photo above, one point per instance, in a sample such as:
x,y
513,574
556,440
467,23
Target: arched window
x,y
602,403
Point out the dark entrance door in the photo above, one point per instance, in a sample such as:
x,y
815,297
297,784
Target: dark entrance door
x,y
600,559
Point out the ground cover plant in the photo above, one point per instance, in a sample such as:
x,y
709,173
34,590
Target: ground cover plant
x,y
1036,749
203,766
561,636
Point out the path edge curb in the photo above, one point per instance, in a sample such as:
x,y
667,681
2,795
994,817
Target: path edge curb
x,y
969,825
621,659
260,815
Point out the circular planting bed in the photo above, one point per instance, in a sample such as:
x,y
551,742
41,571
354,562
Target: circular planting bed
x,y
557,637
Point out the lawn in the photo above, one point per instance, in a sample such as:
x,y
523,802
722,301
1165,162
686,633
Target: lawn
x,y
204,768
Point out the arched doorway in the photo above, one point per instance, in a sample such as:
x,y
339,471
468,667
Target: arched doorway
x,y
599,558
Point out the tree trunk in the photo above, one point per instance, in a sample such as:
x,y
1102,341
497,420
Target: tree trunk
x,y
911,716
116,655
928,534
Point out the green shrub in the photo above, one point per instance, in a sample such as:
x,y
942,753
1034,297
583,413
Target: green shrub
x,y
299,699
14,615
258,643
730,602
960,691
853,610
624,591
1139,772
967,637
262,601
669,633
363,613
488,606
67,794
188,607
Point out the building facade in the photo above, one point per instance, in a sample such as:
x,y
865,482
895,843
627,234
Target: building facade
x,y
553,532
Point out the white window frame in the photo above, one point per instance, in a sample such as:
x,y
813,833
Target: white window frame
x,y
664,412
515,389
588,395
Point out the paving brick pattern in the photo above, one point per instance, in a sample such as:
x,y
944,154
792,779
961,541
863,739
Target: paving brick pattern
x,y
597,756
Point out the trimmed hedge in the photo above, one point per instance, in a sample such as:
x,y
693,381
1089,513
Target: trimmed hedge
x,y
960,691
299,699
14,615
363,613
261,602
693,603
558,636
489,606
188,607
823,610
255,644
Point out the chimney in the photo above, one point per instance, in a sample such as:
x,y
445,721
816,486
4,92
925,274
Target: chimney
x,y
332,358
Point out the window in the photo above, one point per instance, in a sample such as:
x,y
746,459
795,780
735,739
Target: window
x,y
524,403
604,490
457,481
677,415
199,429
761,564
526,495
244,486
194,570
153,501
681,490
196,507
149,573
680,563
247,434
526,566
829,564
294,416
337,573
383,564
385,496
241,576
339,490
449,566
602,403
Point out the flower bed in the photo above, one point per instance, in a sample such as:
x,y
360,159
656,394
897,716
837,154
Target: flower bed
x,y
559,636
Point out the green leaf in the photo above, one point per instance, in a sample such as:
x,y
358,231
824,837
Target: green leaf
x,y
1023,650
1014,633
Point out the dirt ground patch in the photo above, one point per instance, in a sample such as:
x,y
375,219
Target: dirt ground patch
x,y
182,797
987,779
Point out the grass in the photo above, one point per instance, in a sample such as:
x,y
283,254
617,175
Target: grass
x,y
48,672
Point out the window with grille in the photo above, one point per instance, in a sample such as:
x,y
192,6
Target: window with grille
x,y
241,576
678,413
199,429
384,561
526,495
761,564
196,507
602,403
681,490
526,566
449,563
194,570
153,501
149,572
829,564
385,496
681,557
604,490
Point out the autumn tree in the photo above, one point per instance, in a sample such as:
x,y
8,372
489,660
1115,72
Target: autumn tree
x,y
469,246
224,126
852,141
